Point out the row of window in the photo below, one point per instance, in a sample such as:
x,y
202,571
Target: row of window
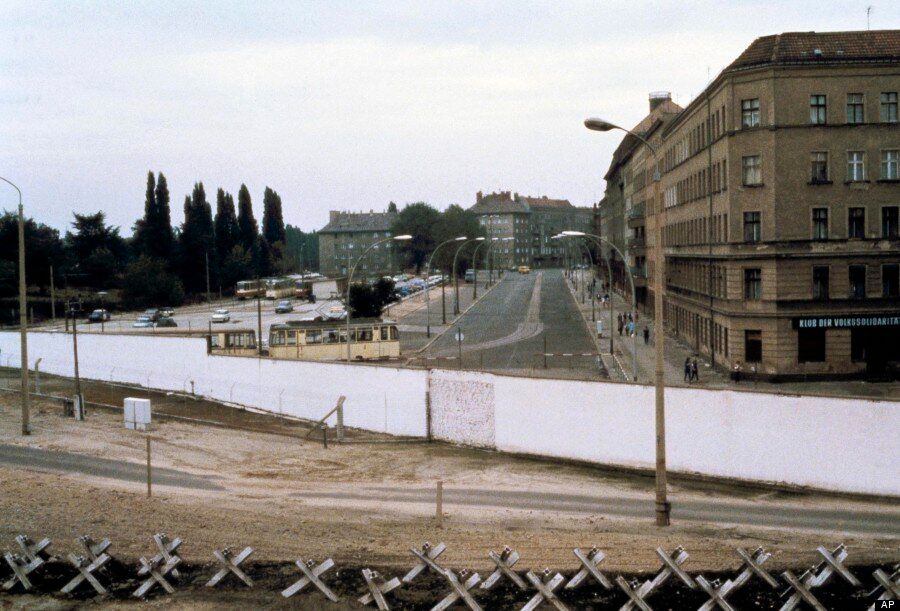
x,y
693,232
856,223
699,326
751,167
695,140
818,109
856,276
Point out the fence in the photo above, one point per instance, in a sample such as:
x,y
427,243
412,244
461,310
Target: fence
x,y
835,444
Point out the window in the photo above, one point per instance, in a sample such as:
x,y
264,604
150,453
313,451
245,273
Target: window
x,y
820,223
753,284
811,345
890,280
889,107
820,283
751,170
819,167
889,222
753,346
314,336
856,166
890,165
384,333
859,341
750,113
856,223
857,281
752,229
855,108
817,109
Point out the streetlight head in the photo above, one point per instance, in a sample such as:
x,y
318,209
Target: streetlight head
x,y
579,234
461,238
599,125
401,238
479,239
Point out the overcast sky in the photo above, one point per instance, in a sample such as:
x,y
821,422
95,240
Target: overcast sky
x,y
349,105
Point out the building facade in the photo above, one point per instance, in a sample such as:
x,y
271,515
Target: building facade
x,y
778,202
348,234
529,224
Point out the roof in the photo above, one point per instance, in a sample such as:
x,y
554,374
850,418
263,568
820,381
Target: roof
x,y
331,324
505,203
820,47
809,49
341,222
545,202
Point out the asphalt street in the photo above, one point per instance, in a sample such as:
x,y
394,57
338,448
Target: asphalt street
x,y
66,462
751,513
510,328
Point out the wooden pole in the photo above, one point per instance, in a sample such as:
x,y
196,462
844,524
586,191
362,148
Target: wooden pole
x,y
149,470
439,500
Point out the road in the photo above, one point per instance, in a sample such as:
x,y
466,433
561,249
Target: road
x,y
510,327
763,514
67,462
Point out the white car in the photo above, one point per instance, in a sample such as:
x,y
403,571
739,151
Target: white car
x,y
221,316
143,322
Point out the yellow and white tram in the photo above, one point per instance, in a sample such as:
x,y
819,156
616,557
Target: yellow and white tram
x,y
372,339
236,342
279,288
249,289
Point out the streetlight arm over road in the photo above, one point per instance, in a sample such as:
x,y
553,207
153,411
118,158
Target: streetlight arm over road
x,y
428,270
398,238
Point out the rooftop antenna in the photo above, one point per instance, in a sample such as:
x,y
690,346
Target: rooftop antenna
x,y
868,13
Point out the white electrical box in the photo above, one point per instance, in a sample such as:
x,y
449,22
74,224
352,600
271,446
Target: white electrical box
x,y
137,414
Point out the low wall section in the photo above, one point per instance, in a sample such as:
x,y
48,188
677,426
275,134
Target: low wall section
x,y
835,444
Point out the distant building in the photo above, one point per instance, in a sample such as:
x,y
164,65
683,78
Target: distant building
x,y
778,202
531,222
348,234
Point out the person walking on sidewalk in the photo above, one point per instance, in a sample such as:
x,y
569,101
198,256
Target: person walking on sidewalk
x,y
646,335
695,372
687,369
621,324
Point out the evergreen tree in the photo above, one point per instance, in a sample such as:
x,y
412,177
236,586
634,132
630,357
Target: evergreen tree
x,y
273,220
143,226
153,233
228,233
247,226
163,233
197,242
95,252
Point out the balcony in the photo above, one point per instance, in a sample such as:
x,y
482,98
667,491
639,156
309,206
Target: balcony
x,y
635,242
636,212
638,272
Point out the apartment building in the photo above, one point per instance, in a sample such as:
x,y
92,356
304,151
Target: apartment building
x,y
779,201
348,234
531,223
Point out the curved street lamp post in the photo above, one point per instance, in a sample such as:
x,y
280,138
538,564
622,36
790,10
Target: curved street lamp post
x,y
456,275
663,507
428,269
489,241
399,238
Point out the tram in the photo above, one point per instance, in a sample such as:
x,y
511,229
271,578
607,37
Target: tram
x,y
371,339
249,289
279,288
234,342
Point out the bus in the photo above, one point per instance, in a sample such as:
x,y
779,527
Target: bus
x,y
279,288
248,289
235,342
372,339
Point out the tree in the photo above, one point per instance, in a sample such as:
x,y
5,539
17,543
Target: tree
x,y
237,265
197,241
43,247
153,233
95,252
273,235
228,233
148,283
457,221
369,300
301,250
420,221
392,208
249,230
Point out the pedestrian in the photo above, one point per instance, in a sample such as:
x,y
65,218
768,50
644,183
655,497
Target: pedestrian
x,y
646,335
621,324
695,372
687,369
736,371
630,328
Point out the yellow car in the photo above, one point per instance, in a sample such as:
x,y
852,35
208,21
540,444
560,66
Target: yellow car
x,y
524,269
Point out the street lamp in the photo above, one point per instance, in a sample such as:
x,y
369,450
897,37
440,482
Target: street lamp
x,y
456,275
23,315
663,508
488,252
560,236
397,238
102,295
461,238
475,266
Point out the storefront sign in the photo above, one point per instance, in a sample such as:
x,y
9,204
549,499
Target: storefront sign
x,y
847,322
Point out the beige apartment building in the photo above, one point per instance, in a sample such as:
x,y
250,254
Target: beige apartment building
x,y
779,199
347,236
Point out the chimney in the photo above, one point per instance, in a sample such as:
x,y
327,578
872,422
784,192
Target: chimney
x,y
333,216
478,197
658,97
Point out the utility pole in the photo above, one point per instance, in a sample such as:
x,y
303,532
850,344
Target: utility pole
x,y
207,280
23,314
79,400
443,299
258,318
52,296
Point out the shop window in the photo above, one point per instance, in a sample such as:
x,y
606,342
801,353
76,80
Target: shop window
x,y
811,345
859,338
753,346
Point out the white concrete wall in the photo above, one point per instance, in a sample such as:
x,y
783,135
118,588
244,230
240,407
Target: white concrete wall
x,y
835,444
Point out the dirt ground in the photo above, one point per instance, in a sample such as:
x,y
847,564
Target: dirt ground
x,y
263,480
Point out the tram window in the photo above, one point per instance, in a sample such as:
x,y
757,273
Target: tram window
x,y
384,333
330,336
291,338
364,335
214,341
343,336
277,338
313,336
393,332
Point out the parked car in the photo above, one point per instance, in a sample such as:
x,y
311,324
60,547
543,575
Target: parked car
x,y
152,313
524,269
143,322
470,275
221,316
284,307
166,321
99,316
167,312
